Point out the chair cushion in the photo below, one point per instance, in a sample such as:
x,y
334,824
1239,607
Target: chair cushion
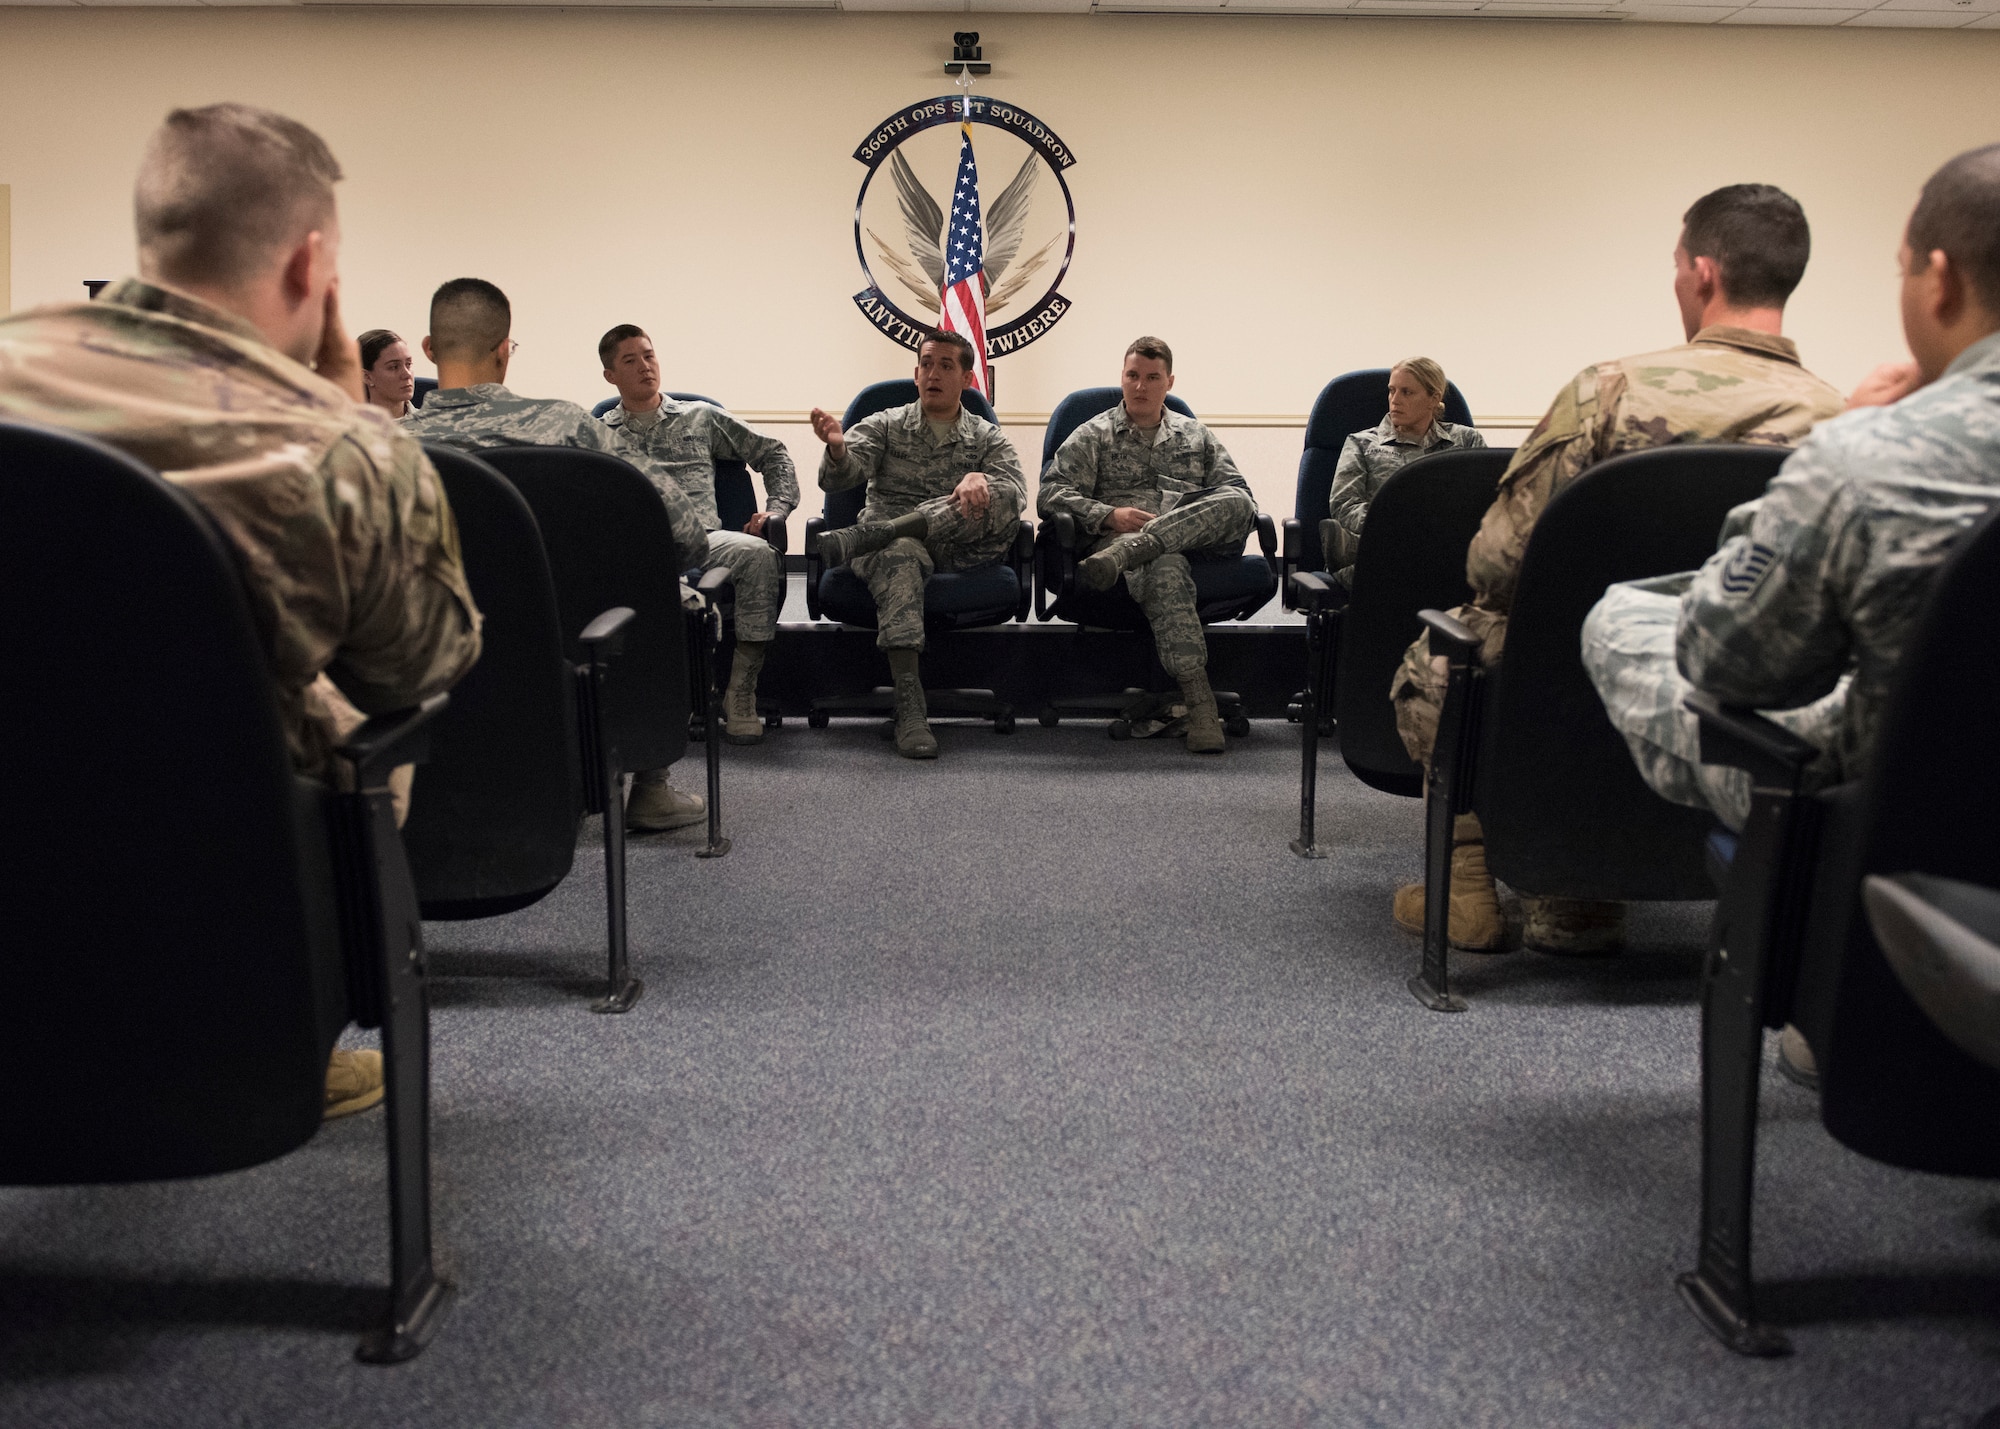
x,y
985,596
1224,588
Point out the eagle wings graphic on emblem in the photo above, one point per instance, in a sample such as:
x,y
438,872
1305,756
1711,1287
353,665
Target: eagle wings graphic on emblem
x,y
923,226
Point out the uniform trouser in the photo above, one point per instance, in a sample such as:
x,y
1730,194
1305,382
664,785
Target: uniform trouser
x,y
1207,523
759,573
955,542
1419,685
1628,650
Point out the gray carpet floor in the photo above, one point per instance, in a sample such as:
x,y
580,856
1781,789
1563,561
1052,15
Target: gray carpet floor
x,y
1041,1086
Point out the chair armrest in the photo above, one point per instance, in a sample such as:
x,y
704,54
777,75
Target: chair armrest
x,y
814,525
1310,591
1022,559
778,535
1289,561
1450,637
1744,739
605,636
714,582
388,740
1068,535
1267,539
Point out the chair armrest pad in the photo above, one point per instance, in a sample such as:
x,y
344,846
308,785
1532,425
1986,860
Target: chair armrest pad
x,y
387,740
1310,590
606,635
1746,740
1067,534
1267,536
1450,637
1295,539
713,582
778,535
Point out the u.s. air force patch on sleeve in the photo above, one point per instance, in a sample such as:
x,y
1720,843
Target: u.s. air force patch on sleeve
x,y
1746,568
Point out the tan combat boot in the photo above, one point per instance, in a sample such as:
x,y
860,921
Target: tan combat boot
x,y
741,723
353,1082
914,739
1476,924
1101,571
1572,927
656,806
1204,725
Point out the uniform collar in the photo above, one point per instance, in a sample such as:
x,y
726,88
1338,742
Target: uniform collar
x,y
1170,421
171,302
1385,431
667,407
917,421
1763,344
466,396
1983,353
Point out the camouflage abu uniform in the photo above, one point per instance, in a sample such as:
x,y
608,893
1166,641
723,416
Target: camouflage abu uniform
x,y
1367,460
908,468
686,439
351,557
1728,384
488,415
1199,500
1805,614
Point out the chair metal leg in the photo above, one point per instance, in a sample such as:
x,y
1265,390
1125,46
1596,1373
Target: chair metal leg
x,y
1721,1290
417,1293
605,783
1447,793
711,637
1310,718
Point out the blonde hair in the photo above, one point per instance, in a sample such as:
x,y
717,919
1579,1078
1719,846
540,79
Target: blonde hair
x,y
1429,376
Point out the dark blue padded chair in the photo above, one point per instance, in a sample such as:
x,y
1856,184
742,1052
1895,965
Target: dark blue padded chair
x,y
425,386
1352,402
953,600
1225,588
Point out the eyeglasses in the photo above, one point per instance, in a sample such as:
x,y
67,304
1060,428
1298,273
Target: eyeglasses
x,y
512,347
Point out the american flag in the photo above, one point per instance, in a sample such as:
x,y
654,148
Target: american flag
x,y
964,297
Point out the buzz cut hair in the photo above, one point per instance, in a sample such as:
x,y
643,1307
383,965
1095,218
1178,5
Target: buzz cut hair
x,y
1758,237
223,189
957,342
469,318
607,346
1151,347
1959,213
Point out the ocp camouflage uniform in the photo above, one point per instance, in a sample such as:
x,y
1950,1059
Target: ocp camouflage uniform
x,y
487,415
1805,615
686,439
350,554
907,468
1367,460
1200,502
1727,385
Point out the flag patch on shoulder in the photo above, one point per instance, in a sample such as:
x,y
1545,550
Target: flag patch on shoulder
x,y
1747,567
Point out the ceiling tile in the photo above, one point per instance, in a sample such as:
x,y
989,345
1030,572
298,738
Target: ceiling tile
x,y
1774,15
1908,20
1679,14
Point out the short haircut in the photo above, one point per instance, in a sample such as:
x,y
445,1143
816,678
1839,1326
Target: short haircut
x,y
222,189
1959,212
373,343
957,342
607,346
1151,347
1429,376
1758,237
469,318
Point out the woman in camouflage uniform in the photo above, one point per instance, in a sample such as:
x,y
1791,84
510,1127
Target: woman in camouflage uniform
x,y
1413,428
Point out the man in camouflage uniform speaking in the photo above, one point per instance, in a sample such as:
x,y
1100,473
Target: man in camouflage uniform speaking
x,y
1148,484
470,341
225,367
1742,251
1805,613
687,439
945,492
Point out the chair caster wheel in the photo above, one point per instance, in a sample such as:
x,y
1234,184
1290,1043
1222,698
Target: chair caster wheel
x,y
1238,726
1003,724
774,721
1049,719
1121,729
818,719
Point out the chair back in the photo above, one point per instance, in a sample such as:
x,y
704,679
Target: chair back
x,y
494,826
735,493
425,386
842,508
609,544
1079,407
1892,1086
172,964
1412,558
1352,402
1564,808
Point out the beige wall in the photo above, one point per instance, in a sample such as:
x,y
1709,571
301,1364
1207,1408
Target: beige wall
x,y
6,248
1281,198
